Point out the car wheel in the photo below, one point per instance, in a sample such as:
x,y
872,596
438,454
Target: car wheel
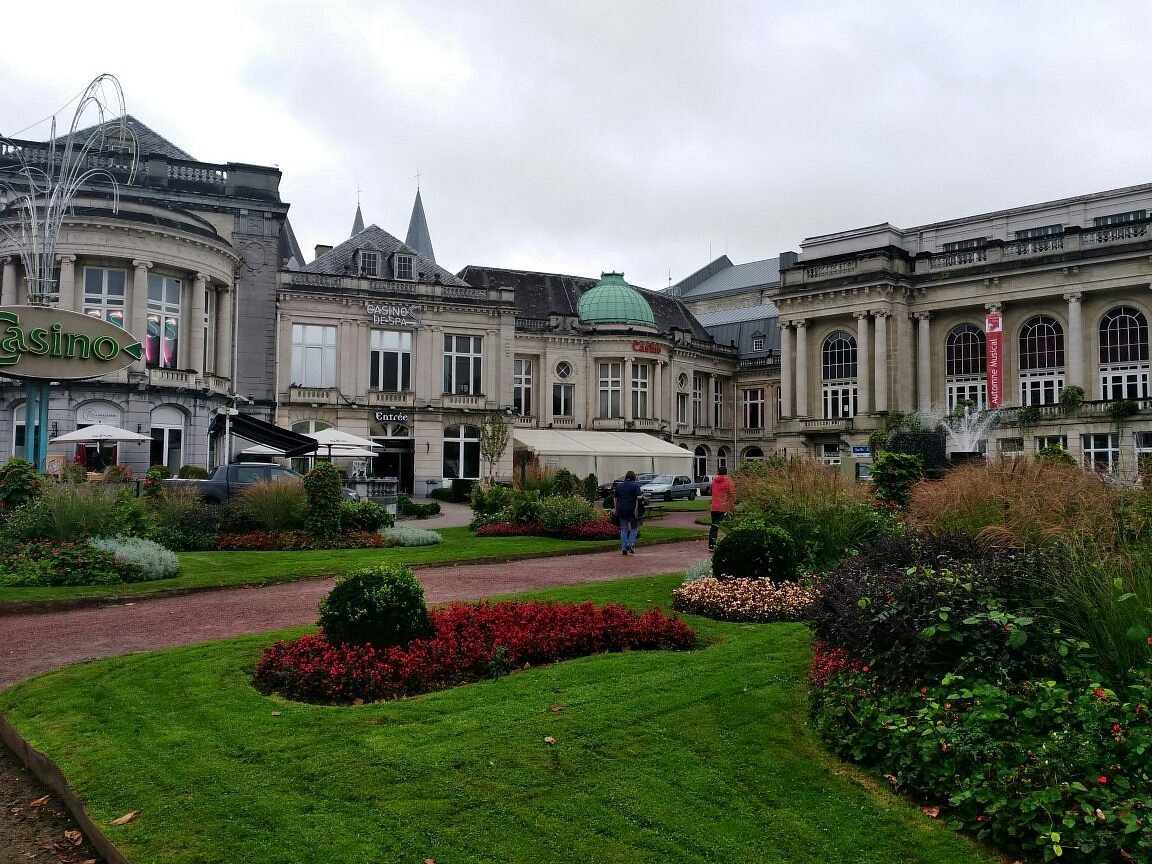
x,y
692,496
668,495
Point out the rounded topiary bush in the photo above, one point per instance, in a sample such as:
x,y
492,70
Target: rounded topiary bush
x,y
751,549
383,605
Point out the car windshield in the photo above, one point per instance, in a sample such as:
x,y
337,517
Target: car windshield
x,y
662,478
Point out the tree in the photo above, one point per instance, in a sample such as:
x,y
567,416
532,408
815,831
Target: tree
x,y
494,435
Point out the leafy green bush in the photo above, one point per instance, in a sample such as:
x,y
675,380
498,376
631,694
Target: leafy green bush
x,y
49,563
152,486
152,559
591,487
276,505
489,503
192,472
363,516
752,549
566,484
324,487
526,506
407,536
894,475
382,605
1055,453
407,507
558,513
19,484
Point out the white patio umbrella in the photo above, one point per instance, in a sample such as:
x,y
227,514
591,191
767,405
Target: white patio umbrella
x,y
262,450
97,434
333,440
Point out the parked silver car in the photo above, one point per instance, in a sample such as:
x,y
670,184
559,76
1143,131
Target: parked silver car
x,y
669,486
704,483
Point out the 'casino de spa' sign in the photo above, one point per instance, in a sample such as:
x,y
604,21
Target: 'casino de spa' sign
x,y
45,342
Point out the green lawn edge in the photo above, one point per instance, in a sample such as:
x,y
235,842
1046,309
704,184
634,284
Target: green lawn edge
x,y
201,571
701,756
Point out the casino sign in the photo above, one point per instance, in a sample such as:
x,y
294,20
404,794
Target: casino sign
x,y
45,342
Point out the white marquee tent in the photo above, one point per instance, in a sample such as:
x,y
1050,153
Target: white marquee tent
x,y
606,454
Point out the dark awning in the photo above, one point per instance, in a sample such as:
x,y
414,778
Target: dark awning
x,y
271,435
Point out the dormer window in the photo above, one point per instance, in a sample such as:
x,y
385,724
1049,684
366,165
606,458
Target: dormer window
x,y
758,343
1120,218
369,263
403,266
965,245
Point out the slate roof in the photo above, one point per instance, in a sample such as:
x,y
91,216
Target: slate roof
x,y
287,249
735,316
339,261
148,142
541,295
738,277
418,237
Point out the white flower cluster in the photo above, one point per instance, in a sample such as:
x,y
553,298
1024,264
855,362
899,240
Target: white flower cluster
x,y
754,600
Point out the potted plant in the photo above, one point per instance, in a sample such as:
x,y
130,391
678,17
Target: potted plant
x,y
1027,417
1071,398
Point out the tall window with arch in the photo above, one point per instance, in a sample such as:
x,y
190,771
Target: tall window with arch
x,y
1041,361
522,386
700,461
965,367
838,375
462,452
303,464
167,447
1124,354
162,342
104,294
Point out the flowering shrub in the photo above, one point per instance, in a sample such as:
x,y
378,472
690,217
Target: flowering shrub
x,y
1035,766
591,529
469,642
325,490
50,564
285,541
755,600
152,486
19,484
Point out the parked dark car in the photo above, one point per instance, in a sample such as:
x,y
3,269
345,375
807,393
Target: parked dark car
x,y
229,480
608,489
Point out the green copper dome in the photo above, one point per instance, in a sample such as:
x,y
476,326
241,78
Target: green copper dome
x,y
614,301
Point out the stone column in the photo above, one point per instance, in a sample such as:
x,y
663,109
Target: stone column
x,y
1075,349
881,352
138,302
194,359
66,289
223,366
8,282
786,369
801,368
923,362
863,363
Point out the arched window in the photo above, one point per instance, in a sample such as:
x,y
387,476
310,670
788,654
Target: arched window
x,y
167,432
97,457
19,430
462,452
700,461
753,454
721,458
965,369
1041,361
304,464
838,384
1124,354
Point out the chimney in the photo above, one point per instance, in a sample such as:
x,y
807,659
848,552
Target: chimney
x,y
322,249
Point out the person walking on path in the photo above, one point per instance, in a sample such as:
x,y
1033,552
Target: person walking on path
x,y
628,495
723,502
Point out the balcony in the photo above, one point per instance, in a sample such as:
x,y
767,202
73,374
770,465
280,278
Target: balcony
x,y
644,424
833,424
216,384
390,398
312,395
524,422
172,378
608,424
453,401
563,423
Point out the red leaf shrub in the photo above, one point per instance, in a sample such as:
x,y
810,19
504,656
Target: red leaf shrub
x,y
470,641
283,541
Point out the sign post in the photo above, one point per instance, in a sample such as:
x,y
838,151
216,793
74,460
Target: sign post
x,y
993,359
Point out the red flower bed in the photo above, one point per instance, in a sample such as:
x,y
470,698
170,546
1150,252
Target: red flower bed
x,y
273,541
470,641
594,529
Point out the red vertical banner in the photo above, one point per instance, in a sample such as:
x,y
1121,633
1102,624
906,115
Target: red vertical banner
x,y
992,330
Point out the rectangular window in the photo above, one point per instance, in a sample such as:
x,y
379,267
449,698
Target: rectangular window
x,y
370,263
681,407
1124,382
1043,441
640,390
754,408
830,454
209,330
609,403
1041,388
1044,231
968,391
522,386
463,365
718,404
563,397
404,267
1120,218
839,401
1101,451
162,342
698,416
104,294
1010,445
962,245
391,361
167,447
313,355
758,343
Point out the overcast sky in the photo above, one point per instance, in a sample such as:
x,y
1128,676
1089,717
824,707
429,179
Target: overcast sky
x,y
591,135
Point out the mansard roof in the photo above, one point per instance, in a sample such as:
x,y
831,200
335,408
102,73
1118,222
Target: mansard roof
x,y
340,260
149,143
720,279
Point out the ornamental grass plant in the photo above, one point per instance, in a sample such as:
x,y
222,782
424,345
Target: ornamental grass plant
x,y
276,505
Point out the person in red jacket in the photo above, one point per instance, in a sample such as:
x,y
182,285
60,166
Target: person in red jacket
x,y
723,502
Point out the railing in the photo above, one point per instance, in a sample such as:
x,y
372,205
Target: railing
x,y
524,422
389,397
823,271
455,292
187,172
758,362
958,259
614,424
533,324
644,424
1115,234
833,424
1035,246
313,395
451,400
171,378
216,383
563,422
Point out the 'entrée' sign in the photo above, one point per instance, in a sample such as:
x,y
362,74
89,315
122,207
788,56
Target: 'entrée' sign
x,y
44,342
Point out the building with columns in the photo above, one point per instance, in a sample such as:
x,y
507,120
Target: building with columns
x,y
1004,309
185,257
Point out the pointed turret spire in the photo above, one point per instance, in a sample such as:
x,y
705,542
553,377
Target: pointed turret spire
x,y
418,237
358,222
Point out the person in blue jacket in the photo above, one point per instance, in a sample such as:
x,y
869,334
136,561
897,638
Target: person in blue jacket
x,y
629,503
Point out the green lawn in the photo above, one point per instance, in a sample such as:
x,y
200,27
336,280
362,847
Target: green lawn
x,y
200,570
699,756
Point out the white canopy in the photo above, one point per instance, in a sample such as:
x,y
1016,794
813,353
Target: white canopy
x,y
605,454
98,433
